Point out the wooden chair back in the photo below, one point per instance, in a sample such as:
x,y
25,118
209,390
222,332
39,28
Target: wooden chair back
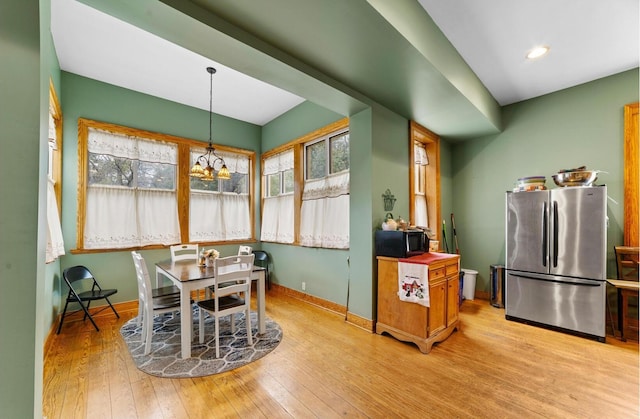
x,y
627,262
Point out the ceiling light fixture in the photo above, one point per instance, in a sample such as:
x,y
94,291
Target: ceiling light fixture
x,y
537,52
210,157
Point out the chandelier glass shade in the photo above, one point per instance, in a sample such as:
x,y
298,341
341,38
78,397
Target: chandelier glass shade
x,y
204,167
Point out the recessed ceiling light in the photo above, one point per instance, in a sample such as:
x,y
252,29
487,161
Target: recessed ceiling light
x,y
537,52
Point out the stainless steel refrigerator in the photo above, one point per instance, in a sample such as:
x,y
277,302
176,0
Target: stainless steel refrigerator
x,y
556,259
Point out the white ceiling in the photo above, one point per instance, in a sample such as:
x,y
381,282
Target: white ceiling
x,y
589,39
95,45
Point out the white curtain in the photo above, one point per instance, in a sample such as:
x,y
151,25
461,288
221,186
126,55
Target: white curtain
x,y
324,217
278,163
55,242
119,145
421,211
277,211
420,154
124,217
277,219
121,217
217,216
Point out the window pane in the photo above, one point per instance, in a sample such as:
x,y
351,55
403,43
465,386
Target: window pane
x,y
316,160
288,181
108,170
156,175
273,184
422,178
203,185
340,153
237,183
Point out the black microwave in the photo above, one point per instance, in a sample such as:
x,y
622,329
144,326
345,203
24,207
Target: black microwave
x,y
401,244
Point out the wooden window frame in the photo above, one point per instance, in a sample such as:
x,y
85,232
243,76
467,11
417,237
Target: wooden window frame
x,y
298,170
631,175
182,183
418,133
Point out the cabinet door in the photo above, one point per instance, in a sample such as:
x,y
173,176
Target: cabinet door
x,y
453,288
438,307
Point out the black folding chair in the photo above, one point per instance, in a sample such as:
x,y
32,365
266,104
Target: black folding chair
x,y
262,259
75,277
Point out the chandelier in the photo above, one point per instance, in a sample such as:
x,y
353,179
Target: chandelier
x,y
204,166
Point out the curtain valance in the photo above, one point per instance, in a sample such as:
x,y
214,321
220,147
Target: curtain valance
x,y
119,145
330,187
420,154
278,163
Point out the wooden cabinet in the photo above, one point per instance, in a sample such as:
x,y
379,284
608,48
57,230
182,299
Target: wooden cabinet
x,y
411,322
453,292
437,311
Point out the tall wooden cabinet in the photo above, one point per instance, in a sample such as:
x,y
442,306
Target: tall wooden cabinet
x,y
411,322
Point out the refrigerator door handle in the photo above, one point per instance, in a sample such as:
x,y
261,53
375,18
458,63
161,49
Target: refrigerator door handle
x,y
545,239
555,234
558,281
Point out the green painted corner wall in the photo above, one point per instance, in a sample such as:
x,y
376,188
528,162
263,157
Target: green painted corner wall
x,y
362,289
579,126
298,121
23,75
324,271
379,156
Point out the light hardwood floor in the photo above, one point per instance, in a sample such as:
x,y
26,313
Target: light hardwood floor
x,y
327,368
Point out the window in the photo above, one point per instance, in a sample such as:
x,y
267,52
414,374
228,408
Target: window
x,y
420,164
334,149
280,183
305,189
278,203
220,209
131,198
135,191
325,198
424,179
55,241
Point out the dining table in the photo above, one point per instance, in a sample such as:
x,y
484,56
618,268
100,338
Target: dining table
x,y
191,276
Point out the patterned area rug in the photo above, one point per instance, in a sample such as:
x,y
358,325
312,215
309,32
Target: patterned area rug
x,y
164,359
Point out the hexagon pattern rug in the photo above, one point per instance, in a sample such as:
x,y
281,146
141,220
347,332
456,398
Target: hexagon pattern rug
x,y
165,361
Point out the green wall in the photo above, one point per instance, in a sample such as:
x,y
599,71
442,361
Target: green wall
x,y
90,99
579,126
23,74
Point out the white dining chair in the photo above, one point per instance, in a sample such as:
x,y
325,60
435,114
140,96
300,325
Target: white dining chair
x,y
231,294
245,250
184,252
152,301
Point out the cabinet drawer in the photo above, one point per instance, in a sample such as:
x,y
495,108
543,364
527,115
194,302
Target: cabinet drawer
x,y
437,273
451,269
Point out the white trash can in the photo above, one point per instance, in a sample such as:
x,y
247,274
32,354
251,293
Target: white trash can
x,y
469,284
